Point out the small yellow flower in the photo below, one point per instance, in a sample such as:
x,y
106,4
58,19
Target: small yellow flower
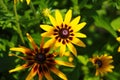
x,y
64,33
28,1
46,12
103,64
40,61
70,56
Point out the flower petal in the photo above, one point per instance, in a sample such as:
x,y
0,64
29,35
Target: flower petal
x,y
81,35
32,42
59,73
64,63
48,76
40,75
79,26
52,20
28,2
23,58
58,17
24,50
20,68
68,17
49,43
46,27
72,49
32,72
78,42
47,34
119,49
75,21
118,39
57,44
62,50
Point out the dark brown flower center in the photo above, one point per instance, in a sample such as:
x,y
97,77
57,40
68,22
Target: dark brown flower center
x,y
99,63
63,33
40,58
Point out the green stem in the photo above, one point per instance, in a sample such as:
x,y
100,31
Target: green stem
x,y
18,25
3,5
33,9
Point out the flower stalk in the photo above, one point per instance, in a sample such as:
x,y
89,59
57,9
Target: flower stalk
x,y
18,25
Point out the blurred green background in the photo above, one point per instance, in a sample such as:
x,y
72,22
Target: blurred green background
x,y
103,21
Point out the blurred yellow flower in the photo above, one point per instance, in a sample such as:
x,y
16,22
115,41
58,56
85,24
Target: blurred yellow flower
x,y
64,33
28,1
46,12
40,61
70,56
103,64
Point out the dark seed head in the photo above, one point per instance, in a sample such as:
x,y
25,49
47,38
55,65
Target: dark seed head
x,y
98,62
40,58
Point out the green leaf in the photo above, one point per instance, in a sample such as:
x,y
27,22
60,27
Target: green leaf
x,y
103,23
83,59
116,24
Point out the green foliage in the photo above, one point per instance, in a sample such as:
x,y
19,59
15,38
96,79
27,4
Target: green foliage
x,y
103,21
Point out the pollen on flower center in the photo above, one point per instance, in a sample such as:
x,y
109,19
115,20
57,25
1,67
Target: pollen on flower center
x,y
40,58
64,33
98,62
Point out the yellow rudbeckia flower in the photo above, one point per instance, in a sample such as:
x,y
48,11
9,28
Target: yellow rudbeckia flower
x,y
64,33
103,64
40,61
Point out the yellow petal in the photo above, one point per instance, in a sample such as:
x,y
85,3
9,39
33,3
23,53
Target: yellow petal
x,y
19,68
119,49
48,76
24,50
52,20
59,73
58,17
81,35
97,73
67,53
49,43
68,17
118,30
72,49
47,34
46,27
62,50
32,72
118,39
28,2
17,56
75,21
57,44
78,42
40,75
32,42
21,0
64,63
79,26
